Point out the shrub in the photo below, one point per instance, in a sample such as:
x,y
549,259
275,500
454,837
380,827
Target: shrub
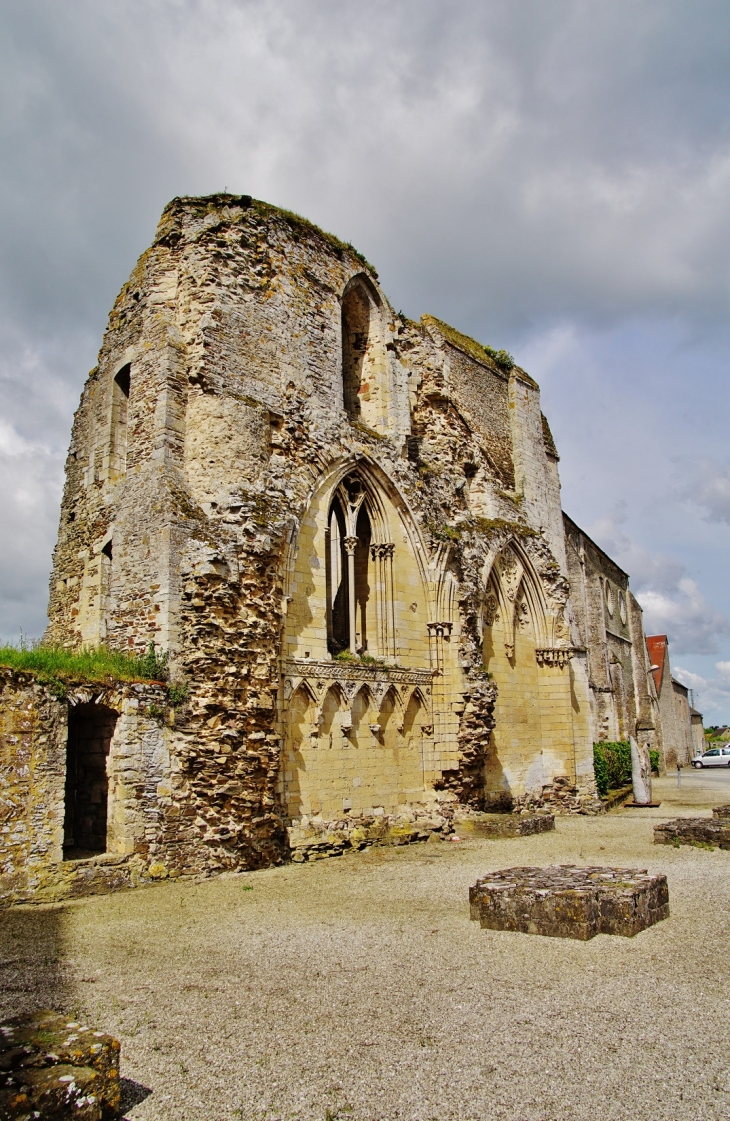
x,y
654,758
504,360
614,766
178,693
600,769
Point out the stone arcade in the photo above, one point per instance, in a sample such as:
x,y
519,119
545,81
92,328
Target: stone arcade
x,y
345,527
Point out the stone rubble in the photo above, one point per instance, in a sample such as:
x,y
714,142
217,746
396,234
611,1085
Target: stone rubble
x,y
54,1069
713,830
565,901
493,825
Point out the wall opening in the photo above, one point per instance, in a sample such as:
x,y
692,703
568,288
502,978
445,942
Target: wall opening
x,y
362,585
338,604
120,415
355,337
364,365
348,562
90,729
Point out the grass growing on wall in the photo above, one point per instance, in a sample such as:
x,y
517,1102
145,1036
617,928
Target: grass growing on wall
x,y
90,663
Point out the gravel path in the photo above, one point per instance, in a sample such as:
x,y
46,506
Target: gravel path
x,y
358,988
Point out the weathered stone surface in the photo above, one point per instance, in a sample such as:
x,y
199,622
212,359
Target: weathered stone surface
x,y
722,812
564,901
495,825
52,1067
34,726
695,831
344,527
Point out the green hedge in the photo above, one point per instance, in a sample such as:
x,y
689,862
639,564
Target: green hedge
x,y
612,765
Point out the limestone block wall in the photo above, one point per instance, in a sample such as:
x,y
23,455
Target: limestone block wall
x,y
610,625
251,365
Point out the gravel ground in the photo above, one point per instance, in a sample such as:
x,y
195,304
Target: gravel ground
x,y
358,988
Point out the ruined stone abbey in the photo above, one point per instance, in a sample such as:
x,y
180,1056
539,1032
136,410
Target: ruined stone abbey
x,y
346,528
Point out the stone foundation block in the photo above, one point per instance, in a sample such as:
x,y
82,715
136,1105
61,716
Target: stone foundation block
x,y
564,901
54,1068
503,825
695,831
722,812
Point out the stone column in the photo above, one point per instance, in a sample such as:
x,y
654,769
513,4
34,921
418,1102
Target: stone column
x,y
350,544
382,557
437,632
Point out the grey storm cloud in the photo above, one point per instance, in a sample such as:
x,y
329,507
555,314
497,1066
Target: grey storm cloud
x,y
510,165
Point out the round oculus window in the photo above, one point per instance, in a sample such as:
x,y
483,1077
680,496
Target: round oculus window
x,y
609,598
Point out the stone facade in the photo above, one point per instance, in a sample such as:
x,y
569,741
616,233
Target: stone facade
x,y
345,527
622,690
680,741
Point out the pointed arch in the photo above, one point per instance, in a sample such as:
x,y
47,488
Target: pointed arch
x,y
365,381
415,717
389,717
357,570
527,583
332,704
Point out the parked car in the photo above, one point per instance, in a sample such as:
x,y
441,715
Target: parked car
x,y
715,757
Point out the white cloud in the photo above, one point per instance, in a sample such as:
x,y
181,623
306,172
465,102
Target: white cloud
x,y
672,601
708,486
711,695
509,167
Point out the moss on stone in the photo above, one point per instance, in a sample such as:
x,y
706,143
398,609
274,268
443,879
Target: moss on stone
x,y
493,527
487,355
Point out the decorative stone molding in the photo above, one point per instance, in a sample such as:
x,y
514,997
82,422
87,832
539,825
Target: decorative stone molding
x,y
350,543
554,656
327,672
439,630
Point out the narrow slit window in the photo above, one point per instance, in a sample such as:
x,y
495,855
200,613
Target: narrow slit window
x,y
120,418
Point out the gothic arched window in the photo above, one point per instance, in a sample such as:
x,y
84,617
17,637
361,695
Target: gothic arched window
x,y
364,364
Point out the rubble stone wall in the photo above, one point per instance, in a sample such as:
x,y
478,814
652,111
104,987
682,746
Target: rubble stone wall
x,y
197,515
33,739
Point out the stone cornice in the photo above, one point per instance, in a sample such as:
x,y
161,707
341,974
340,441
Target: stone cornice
x,y
353,671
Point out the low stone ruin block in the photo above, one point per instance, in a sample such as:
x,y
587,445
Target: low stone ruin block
x,y
504,825
722,812
54,1068
564,901
695,831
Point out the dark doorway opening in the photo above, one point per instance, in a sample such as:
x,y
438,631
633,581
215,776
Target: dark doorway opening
x,y
90,729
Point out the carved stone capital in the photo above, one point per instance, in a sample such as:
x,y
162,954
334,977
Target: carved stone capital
x,y
439,630
350,544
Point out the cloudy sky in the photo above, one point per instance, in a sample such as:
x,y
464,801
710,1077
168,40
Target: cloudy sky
x,y
551,176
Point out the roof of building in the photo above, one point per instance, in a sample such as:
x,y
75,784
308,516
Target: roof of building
x,y
678,685
657,645
577,529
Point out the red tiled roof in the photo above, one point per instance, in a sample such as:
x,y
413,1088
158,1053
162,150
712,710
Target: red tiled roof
x,y
657,644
